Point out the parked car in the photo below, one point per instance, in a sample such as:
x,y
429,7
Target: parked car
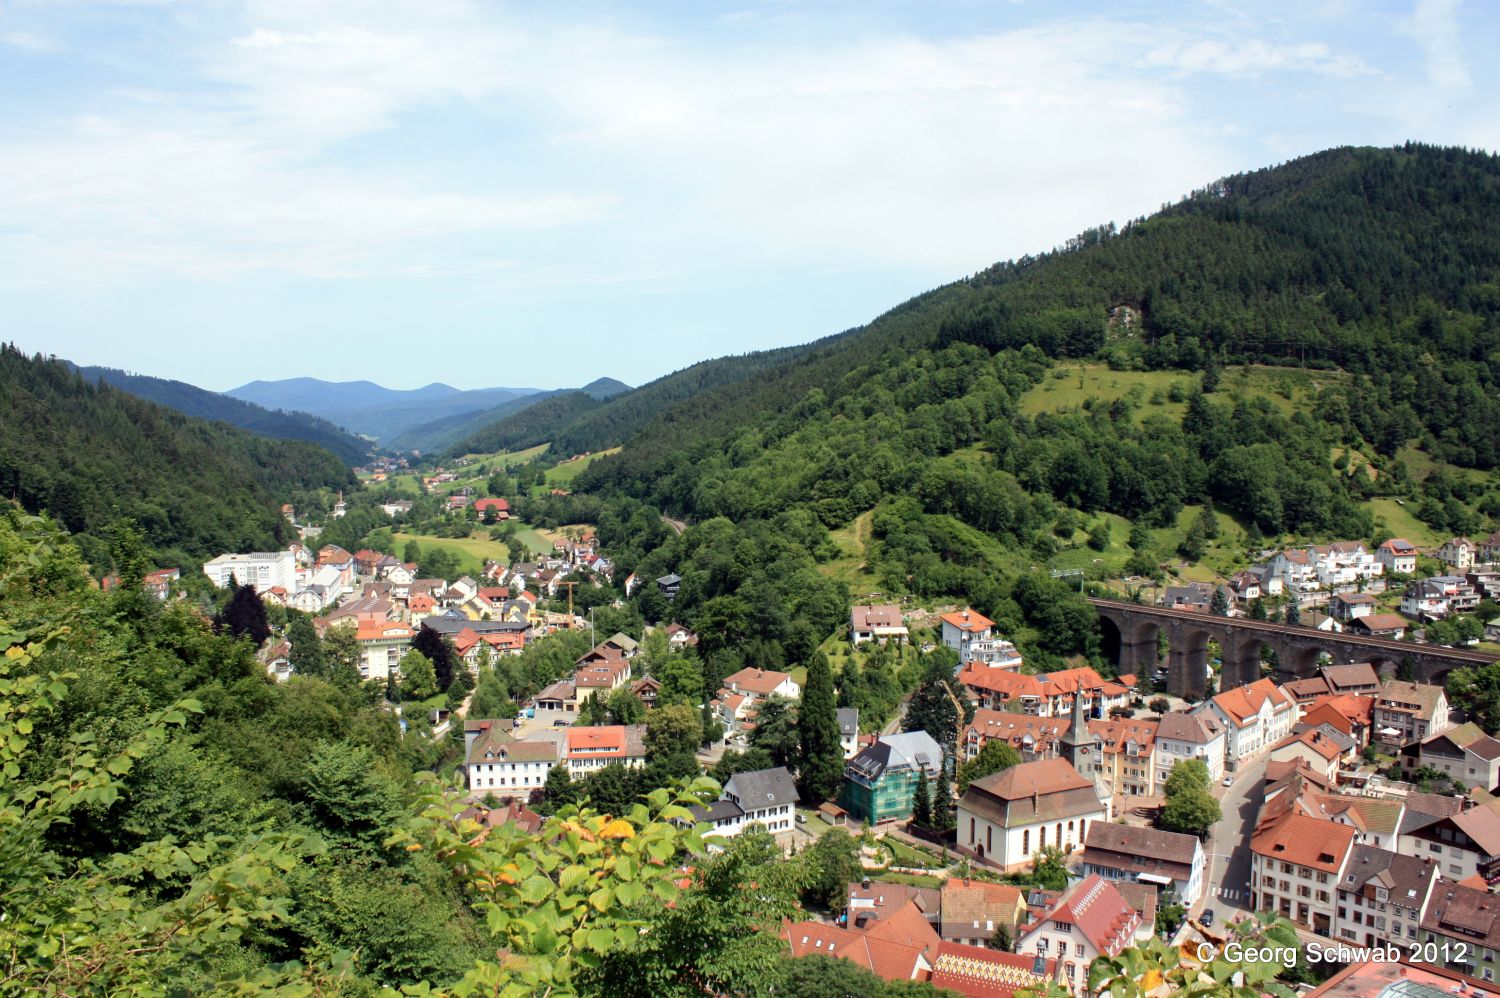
x,y
1228,781
1208,917
801,818
561,722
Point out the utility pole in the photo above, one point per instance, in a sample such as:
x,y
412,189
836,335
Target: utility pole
x,y
570,586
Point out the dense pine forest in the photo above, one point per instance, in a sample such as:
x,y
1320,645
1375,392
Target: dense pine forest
x,y
95,456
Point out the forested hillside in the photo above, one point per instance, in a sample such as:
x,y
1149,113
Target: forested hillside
x,y
441,433
1380,267
94,456
193,401
597,422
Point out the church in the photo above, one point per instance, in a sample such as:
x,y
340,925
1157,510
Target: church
x,y
1007,818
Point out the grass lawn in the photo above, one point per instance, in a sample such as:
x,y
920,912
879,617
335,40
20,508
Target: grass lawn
x,y
910,879
1402,522
908,855
564,473
507,459
849,567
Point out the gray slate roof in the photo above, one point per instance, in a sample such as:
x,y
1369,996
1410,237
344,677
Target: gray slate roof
x,y
763,788
848,721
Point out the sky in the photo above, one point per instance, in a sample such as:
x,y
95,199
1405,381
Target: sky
x,y
541,194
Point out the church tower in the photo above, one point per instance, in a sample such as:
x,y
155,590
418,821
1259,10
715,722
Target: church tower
x,y
1078,745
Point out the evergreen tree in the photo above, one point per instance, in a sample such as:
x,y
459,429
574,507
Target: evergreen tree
x,y
412,553
1294,611
1258,609
943,816
776,731
1219,605
560,791
994,756
306,655
822,768
921,803
713,729
1406,671
245,615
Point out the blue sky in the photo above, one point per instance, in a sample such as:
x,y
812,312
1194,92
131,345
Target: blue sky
x,y
541,194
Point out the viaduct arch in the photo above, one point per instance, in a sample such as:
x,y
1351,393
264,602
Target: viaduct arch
x,y
1140,628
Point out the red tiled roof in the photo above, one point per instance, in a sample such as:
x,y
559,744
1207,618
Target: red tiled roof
x,y
759,681
1305,841
1101,914
1244,702
888,960
968,620
978,972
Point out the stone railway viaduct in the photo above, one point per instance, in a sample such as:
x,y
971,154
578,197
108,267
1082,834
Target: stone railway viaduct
x,y
1131,634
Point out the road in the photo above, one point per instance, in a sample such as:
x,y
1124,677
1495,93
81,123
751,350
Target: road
x,y
1228,888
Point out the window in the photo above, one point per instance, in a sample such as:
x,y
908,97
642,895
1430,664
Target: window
x,y
1078,949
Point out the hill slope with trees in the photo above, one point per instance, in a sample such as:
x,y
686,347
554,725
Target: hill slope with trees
x,y
191,400
94,456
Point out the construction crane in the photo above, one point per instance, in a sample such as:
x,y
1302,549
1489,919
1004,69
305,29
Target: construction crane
x,y
569,586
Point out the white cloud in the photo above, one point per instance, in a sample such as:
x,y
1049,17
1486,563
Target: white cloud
x,y
290,147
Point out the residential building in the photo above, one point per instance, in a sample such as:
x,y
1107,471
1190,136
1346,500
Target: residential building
x,y
1255,717
964,627
1409,712
1489,549
874,899
1296,569
1343,565
1127,754
1398,555
602,677
757,684
880,623
500,508
1033,737
1049,694
495,762
1460,552
1008,817
766,797
848,718
1315,748
668,585
1358,678
1404,979
396,507
1344,607
1172,862
902,947
1198,734
1461,921
1468,756
646,690
972,910
1379,625
1381,897
1245,586
1466,842
561,695
881,781
1295,864
1438,597
590,749
1091,919
1376,820
381,645
262,569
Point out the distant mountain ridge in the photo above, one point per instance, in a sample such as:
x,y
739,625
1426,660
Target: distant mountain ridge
x,y
441,433
372,410
204,404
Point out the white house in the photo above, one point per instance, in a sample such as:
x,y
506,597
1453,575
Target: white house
x,y
264,570
1460,552
1398,555
1255,717
880,623
766,797
1006,818
848,732
1343,564
1296,569
1199,734
1296,861
1168,860
494,762
962,627
1091,919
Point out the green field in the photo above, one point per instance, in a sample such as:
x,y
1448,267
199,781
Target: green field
x,y
507,459
1069,386
564,474
1400,521
472,551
